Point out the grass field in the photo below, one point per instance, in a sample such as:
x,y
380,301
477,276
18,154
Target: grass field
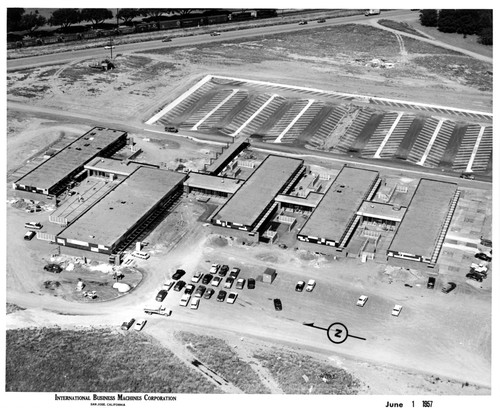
x,y
400,26
95,360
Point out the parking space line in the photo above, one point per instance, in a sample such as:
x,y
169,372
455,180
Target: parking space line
x,y
254,115
195,127
386,138
431,142
304,109
475,149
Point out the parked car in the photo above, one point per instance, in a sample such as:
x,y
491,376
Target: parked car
x,y
214,268
179,273
240,283
184,300
223,270
166,39
396,310
195,302
29,235
216,281
209,293
362,300
475,275
168,284
221,296
431,282
449,287
251,283
277,304
483,257
232,297
310,285
127,325
229,283
303,22
189,289
139,324
33,225
215,34
108,47
468,176
197,277
234,273
162,294
54,268
179,285
321,20
299,287
171,129
206,279
140,254
200,291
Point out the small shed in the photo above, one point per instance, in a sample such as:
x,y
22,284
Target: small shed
x,y
269,275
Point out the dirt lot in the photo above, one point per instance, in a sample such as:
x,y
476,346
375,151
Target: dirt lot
x,y
401,355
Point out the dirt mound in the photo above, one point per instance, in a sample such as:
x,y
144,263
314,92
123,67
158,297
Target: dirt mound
x,y
217,241
406,275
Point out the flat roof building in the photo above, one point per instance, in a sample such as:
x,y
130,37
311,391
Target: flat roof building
x,y
213,185
332,219
116,217
51,175
424,226
248,207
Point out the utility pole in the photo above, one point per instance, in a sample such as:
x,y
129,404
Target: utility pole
x,y
111,47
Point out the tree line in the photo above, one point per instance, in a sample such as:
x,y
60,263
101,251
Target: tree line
x,y
465,22
19,20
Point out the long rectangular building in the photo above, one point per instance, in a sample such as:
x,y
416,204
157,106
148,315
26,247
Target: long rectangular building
x,y
51,175
332,218
246,208
113,219
425,221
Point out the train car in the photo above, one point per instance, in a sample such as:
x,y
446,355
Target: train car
x,y
217,19
69,37
89,34
266,13
51,40
145,27
193,22
29,42
241,16
170,24
122,30
11,45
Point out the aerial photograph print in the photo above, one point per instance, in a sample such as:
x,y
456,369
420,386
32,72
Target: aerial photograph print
x,y
258,205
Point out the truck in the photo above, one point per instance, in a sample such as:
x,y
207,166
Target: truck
x,y
157,309
372,12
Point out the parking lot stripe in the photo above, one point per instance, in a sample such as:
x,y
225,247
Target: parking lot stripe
x,y
431,142
195,127
304,109
254,115
474,150
386,138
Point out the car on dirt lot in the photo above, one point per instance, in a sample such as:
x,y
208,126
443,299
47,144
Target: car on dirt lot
x,y
179,273
362,300
215,34
171,129
200,290
127,325
216,281
162,294
240,283
33,225
29,235
184,300
54,268
195,302
321,20
310,285
468,176
396,310
197,277
277,304
234,273
483,257
214,268
475,275
251,283
232,297
299,287
209,293
229,283
179,285
206,279
221,296
431,282
166,39
303,22
139,324
189,289
449,287
223,270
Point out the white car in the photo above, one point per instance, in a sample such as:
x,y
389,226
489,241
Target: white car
x,y
140,254
184,300
362,300
214,268
396,310
196,277
232,297
139,324
216,281
195,303
168,285
310,285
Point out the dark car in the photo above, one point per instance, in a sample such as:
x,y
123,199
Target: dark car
x,y
299,287
431,282
208,294
223,270
474,275
171,129
54,268
221,296
179,285
303,22
166,39
251,283
206,279
449,287
234,273
200,291
162,294
277,304
321,20
189,289
127,325
468,176
179,273
483,257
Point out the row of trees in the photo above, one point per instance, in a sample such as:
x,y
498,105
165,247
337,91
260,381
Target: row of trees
x,y
19,20
465,22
